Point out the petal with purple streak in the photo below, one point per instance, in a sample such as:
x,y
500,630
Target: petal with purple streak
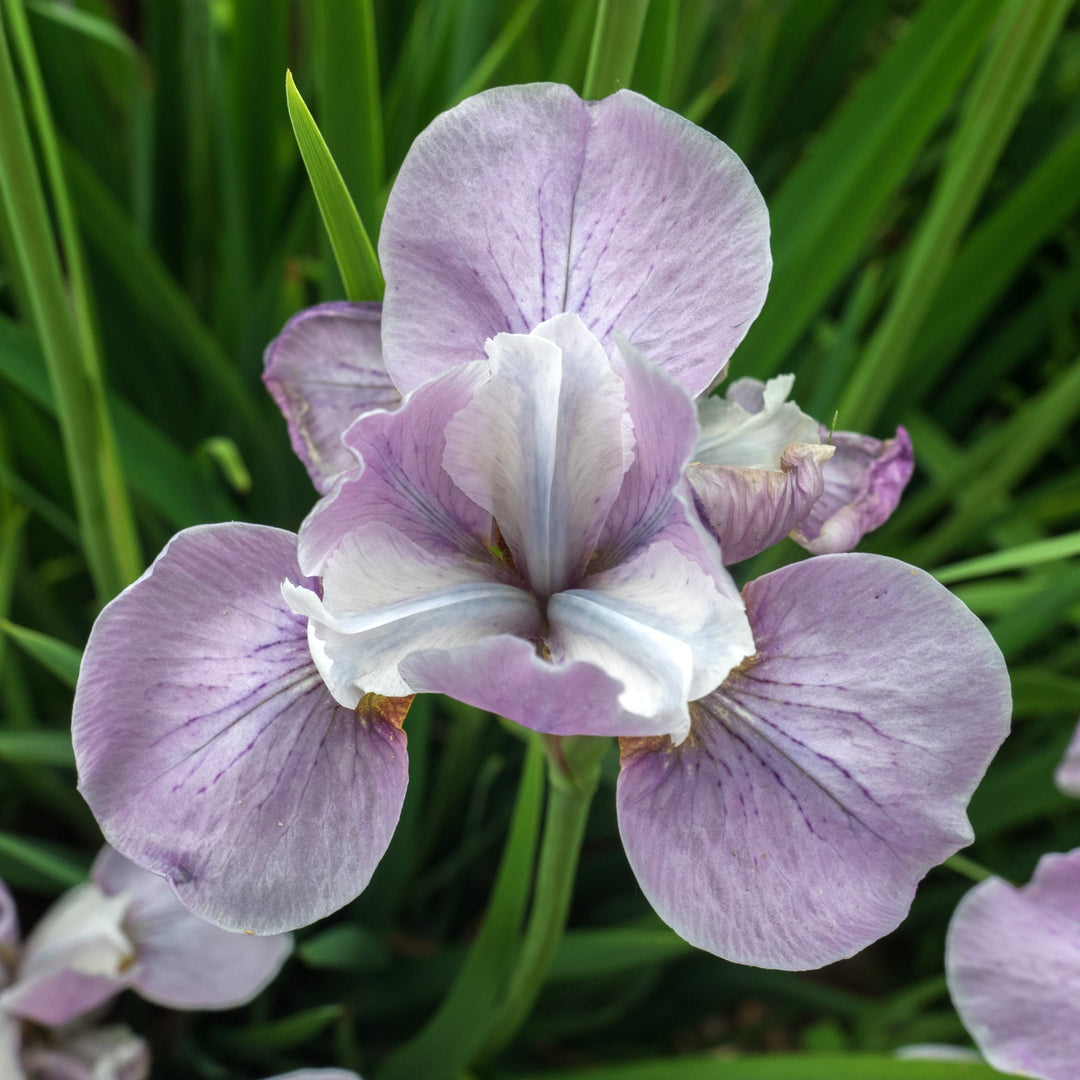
x,y
324,370
1012,958
864,480
384,597
182,961
543,446
402,482
827,774
211,752
523,202
752,509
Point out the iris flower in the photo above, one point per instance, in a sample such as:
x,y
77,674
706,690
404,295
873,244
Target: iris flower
x,y
1012,958
123,928
520,510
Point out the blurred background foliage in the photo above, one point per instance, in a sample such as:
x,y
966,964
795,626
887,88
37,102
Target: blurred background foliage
x,y
921,162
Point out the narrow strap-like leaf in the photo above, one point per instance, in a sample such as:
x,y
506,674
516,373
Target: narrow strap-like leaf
x,y
355,256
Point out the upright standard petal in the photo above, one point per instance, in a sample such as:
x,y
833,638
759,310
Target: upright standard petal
x,y
525,201
827,774
543,446
1012,958
211,752
402,482
864,480
181,961
324,370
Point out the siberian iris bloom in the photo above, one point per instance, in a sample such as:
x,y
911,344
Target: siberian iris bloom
x,y
123,928
513,514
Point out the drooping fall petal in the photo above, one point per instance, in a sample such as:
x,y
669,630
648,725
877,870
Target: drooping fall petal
x,y
783,832
211,752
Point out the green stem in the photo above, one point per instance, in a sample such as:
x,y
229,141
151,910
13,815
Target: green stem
x,y
451,1037
573,772
968,868
616,36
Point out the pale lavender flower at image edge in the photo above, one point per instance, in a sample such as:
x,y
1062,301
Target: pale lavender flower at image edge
x,y
1012,958
555,572
316,1074
124,928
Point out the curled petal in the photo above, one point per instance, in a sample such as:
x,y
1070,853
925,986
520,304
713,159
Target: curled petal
x,y
827,774
74,960
864,480
211,752
402,482
543,446
181,961
525,201
1012,958
752,424
1067,774
751,509
385,597
324,369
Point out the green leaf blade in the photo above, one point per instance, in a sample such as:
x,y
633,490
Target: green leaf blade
x,y
353,250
